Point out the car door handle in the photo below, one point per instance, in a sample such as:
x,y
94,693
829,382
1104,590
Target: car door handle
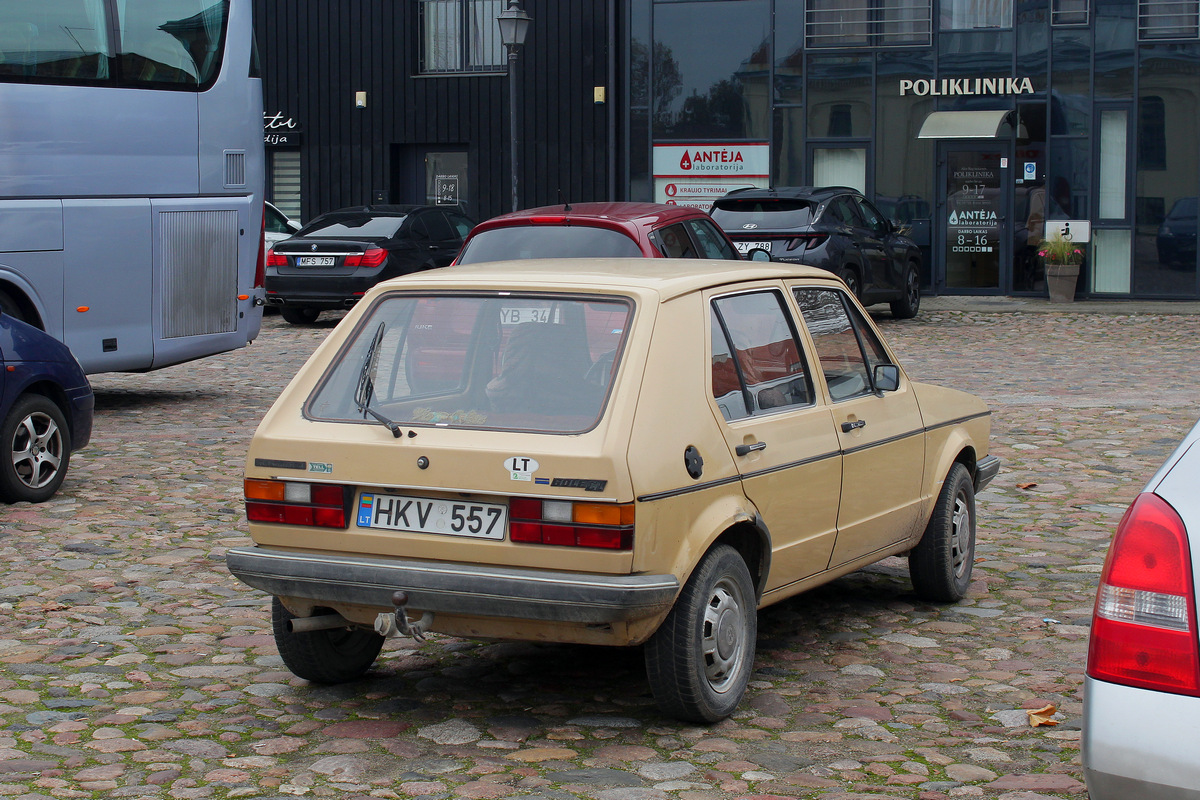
x,y
747,449
850,426
433,247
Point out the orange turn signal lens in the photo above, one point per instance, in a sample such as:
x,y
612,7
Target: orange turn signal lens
x,y
265,490
603,514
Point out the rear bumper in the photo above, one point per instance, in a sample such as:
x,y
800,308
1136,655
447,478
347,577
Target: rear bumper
x,y
987,469
449,588
1139,744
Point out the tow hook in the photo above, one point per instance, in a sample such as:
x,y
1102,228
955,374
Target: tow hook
x,y
396,624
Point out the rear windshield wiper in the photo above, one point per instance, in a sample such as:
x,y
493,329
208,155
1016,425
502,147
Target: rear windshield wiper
x,y
365,389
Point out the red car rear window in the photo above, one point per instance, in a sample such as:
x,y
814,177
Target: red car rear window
x,y
548,241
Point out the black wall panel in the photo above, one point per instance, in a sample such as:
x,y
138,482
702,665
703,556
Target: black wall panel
x,y
317,53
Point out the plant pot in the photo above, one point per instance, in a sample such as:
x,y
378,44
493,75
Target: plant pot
x,y
1061,280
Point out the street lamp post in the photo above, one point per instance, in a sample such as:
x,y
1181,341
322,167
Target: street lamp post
x,y
514,25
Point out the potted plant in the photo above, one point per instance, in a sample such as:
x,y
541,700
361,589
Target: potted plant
x,y
1061,258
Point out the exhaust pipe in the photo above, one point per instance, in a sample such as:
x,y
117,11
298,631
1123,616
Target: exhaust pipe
x,y
324,622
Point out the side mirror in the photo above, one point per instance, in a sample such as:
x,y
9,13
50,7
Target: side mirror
x,y
758,254
887,377
293,226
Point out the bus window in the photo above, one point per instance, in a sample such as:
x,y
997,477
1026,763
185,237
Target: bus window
x,y
53,40
171,42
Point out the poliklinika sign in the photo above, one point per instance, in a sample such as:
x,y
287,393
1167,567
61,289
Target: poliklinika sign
x,y
966,87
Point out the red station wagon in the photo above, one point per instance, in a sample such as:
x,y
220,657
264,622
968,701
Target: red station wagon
x,y
598,230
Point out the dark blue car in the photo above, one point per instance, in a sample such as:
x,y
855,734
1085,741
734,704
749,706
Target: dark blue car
x,y
46,406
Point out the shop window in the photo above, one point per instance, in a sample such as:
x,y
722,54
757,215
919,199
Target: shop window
x,y
1069,12
836,23
460,36
967,15
1168,19
840,166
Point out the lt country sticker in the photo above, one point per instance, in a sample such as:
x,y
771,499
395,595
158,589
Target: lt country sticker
x,y
521,468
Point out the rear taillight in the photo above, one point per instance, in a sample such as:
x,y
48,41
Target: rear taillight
x,y
260,269
568,524
373,257
321,505
808,242
1144,626
275,259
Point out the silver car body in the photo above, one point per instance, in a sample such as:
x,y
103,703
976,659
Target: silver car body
x,y
1140,744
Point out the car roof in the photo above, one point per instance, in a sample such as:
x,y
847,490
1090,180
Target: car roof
x,y
668,277
608,214
817,194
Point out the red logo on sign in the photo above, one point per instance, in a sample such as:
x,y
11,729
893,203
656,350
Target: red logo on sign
x,y
686,161
671,190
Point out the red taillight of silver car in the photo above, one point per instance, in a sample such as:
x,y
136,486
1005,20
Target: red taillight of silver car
x,y
1144,626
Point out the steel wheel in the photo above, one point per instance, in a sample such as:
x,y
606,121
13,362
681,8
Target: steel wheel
x,y
36,450
723,635
699,660
961,538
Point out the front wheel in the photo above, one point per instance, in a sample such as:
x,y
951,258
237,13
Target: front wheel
x,y
908,305
35,449
336,655
699,660
940,565
299,315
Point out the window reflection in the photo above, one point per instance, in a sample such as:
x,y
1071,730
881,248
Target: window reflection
x,y
714,66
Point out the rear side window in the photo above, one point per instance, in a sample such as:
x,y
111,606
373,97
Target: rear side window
x,y
548,241
171,42
733,214
757,367
517,362
673,242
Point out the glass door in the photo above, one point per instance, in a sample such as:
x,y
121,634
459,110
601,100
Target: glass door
x,y
974,217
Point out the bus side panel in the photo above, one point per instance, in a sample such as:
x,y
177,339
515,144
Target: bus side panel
x,y
31,258
107,293
77,141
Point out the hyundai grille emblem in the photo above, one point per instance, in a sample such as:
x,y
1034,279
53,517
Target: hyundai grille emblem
x,y
750,226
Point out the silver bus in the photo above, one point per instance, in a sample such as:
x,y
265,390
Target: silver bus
x,y
131,177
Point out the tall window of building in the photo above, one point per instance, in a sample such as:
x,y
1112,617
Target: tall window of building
x,y
966,15
837,23
460,36
1168,19
1069,12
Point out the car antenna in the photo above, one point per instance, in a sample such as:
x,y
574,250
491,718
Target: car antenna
x,y
566,206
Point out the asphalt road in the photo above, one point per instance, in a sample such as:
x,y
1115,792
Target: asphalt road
x,y
133,665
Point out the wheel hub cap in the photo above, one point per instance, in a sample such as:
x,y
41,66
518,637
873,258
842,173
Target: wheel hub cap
x,y
36,450
724,644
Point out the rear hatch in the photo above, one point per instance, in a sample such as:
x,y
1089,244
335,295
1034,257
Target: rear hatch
x,y
781,226
463,427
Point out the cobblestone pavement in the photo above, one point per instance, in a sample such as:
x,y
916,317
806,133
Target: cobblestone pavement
x,y
133,665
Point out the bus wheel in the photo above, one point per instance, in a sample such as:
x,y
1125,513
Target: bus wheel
x,y
299,315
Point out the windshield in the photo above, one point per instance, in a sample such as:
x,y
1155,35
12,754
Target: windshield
x,y
353,226
517,362
732,215
548,241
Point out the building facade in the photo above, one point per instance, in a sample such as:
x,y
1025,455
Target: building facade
x,y
980,125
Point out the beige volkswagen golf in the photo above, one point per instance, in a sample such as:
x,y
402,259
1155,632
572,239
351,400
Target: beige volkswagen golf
x,y
616,452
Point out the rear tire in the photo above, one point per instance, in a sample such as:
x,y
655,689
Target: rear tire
x,y
699,660
299,315
850,278
330,656
908,305
940,565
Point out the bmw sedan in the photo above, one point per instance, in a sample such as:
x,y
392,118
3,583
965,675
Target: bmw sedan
x,y
834,228
333,260
1141,711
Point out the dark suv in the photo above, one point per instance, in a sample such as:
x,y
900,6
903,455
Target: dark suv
x,y
834,228
334,259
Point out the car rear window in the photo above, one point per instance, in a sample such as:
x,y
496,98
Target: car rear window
x,y
354,227
539,362
548,241
785,213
